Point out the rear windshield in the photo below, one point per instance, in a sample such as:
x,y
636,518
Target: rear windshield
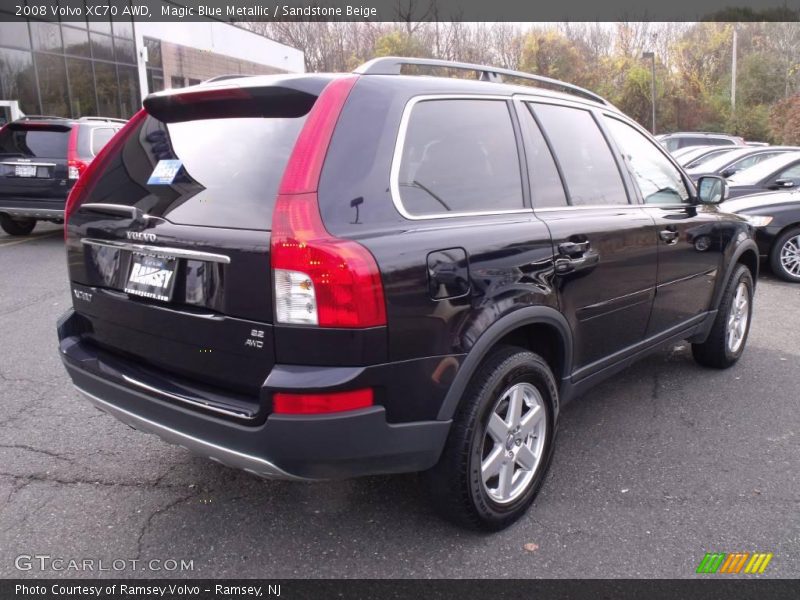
x,y
208,172
34,142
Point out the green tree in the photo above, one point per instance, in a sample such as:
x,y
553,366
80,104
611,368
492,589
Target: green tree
x,y
398,43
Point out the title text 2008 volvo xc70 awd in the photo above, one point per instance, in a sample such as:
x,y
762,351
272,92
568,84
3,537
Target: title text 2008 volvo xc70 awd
x,y
320,276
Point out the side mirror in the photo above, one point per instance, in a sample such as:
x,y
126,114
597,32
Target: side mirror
x,y
711,189
728,172
783,183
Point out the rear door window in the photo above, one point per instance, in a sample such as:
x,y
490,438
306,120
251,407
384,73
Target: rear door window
x,y
590,171
547,191
34,142
459,157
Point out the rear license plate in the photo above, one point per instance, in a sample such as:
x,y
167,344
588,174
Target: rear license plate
x,y
151,276
25,170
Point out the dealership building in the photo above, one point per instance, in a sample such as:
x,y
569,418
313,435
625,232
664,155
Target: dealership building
x,y
106,68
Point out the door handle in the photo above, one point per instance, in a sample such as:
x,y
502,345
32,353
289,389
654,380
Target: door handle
x,y
668,235
564,265
573,248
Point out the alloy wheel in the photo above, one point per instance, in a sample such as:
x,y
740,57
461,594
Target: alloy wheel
x,y
513,443
790,256
738,317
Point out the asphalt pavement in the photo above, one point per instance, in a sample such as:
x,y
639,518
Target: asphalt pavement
x,y
654,468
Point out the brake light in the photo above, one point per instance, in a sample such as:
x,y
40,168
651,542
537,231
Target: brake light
x,y
305,164
84,185
308,404
210,95
319,279
75,166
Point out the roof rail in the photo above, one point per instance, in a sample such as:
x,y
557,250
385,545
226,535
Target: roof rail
x,y
392,65
108,119
38,117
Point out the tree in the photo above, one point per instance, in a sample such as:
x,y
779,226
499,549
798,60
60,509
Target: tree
x,y
784,121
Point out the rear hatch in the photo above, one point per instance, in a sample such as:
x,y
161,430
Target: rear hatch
x,y
33,161
169,247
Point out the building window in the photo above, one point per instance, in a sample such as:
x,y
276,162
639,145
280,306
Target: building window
x,y
74,69
128,90
176,82
17,79
52,84
46,37
14,34
81,87
102,47
105,76
155,66
76,41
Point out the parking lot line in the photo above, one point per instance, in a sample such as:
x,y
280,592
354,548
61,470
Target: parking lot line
x,y
32,238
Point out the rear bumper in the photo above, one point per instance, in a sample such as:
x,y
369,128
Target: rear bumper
x,y
47,210
334,446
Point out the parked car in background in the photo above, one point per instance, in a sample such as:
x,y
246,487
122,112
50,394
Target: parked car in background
x,y
696,153
776,218
682,139
389,273
777,173
40,160
733,161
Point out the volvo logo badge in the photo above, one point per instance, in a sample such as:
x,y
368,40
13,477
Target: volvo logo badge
x,y
141,236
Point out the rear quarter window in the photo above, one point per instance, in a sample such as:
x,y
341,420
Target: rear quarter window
x,y
100,137
459,156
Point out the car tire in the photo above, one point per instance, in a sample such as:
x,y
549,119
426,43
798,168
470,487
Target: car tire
x,y
16,226
784,258
728,337
461,485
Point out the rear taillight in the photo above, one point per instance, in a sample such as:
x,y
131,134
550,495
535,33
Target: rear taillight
x,y
75,166
83,186
309,404
319,279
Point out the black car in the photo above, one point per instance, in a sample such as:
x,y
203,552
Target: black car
x,y
40,160
780,172
776,217
731,162
320,276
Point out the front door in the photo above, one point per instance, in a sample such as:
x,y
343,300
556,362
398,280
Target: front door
x,y
689,240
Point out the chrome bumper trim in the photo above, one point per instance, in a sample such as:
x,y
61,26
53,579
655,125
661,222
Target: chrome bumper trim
x,y
239,414
226,456
40,213
161,250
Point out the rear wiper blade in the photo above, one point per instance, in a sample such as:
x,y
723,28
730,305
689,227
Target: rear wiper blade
x,y
114,209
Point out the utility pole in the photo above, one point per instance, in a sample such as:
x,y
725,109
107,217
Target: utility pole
x,y
652,57
733,73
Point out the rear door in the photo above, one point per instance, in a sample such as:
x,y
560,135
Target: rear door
x,y
33,161
169,250
689,241
604,246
